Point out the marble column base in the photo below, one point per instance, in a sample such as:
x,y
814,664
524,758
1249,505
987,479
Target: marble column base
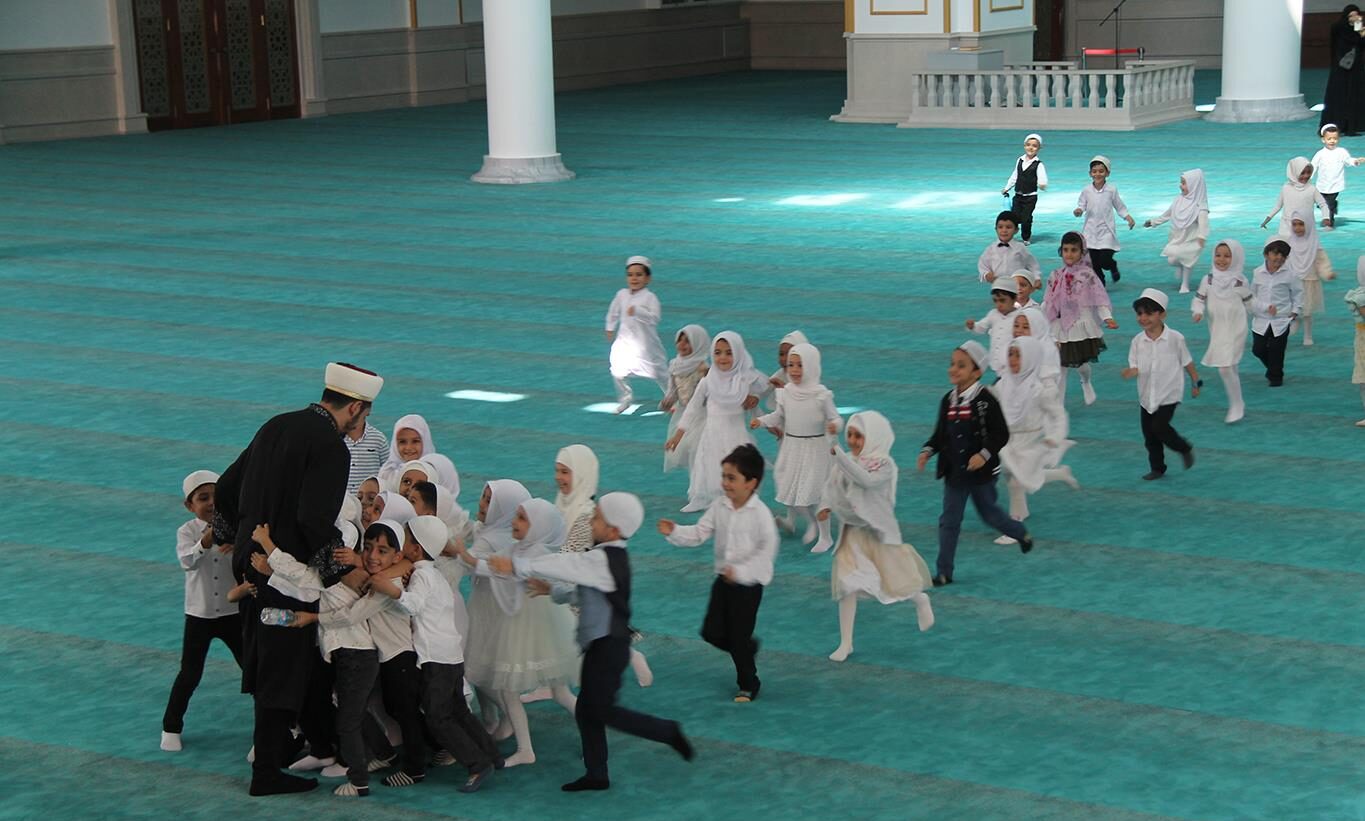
x,y
522,170
1278,110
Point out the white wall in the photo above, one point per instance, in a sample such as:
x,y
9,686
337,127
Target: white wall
x,y
31,24
360,15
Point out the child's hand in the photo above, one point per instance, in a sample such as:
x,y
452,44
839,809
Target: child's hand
x,y
502,565
1202,242
261,564
1265,222
831,428
672,444
823,515
630,311
346,556
1147,224
241,591
977,462
225,549
1128,373
991,277
750,402
1329,275
1004,192
1111,324
1131,222
1077,212
1272,310
261,536
775,432
777,383
667,405
754,424
537,587
922,460
1198,317
609,335
971,324
728,573
666,527
206,541
1194,389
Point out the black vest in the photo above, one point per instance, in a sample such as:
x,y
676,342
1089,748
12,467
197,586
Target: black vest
x,y
618,563
1026,179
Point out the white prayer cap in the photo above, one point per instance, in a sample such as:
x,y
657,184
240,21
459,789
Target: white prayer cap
x,y
357,383
1103,160
350,536
395,531
1038,137
194,480
1323,130
1156,296
1005,284
1032,276
431,534
622,511
639,260
974,349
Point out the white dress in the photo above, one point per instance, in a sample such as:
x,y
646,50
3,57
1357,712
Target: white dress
x,y
533,647
1294,197
870,561
1100,204
803,457
1224,306
1184,246
681,390
723,431
1027,453
636,349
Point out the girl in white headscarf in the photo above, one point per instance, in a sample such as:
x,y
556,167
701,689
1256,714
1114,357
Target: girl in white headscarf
x,y
1189,218
779,376
685,371
1223,296
806,417
870,560
1309,262
449,477
1037,423
725,394
532,643
1298,194
1031,323
393,506
411,441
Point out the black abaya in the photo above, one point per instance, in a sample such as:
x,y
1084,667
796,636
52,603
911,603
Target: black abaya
x,y
1344,101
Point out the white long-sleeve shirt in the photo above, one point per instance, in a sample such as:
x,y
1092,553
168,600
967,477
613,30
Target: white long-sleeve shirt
x,y
1284,290
389,626
745,539
428,601
1027,161
336,635
208,573
1000,328
636,350
1161,367
1329,166
1100,205
1004,260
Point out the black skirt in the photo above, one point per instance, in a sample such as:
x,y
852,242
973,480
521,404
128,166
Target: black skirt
x,y
1076,354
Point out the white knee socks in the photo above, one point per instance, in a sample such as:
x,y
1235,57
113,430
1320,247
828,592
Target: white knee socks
x,y
848,611
516,713
1087,389
565,697
1018,500
1232,383
1307,322
640,666
825,541
1183,272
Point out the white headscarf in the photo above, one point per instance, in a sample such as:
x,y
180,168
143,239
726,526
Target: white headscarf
x,y
396,508
1050,360
582,464
545,535
1303,250
448,477
422,466
1187,207
794,338
1018,391
736,384
809,386
416,423
1294,169
494,533
1236,268
701,349
877,441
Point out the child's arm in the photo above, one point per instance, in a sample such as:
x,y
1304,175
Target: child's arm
x,y
1014,176
931,444
414,599
1279,203
190,549
997,436
1132,369
772,421
1155,221
1200,295
650,311
1081,201
588,569
670,396
240,592
692,415
689,535
983,267
1042,177
859,475
1321,201
1295,296
1122,210
984,324
833,421
613,315
1055,422
355,614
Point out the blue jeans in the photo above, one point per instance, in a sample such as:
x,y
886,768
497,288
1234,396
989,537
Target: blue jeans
x,y
983,496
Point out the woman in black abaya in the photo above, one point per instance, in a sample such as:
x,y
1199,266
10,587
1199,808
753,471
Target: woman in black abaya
x,y
1344,102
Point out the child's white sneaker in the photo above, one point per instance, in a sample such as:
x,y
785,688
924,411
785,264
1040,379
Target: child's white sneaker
x,y
1088,391
1002,539
337,770
170,742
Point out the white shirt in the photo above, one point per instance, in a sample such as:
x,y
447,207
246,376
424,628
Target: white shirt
x,y
746,539
390,627
338,635
428,601
208,573
1160,363
1004,261
1099,205
1000,327
1282,289
1329,164
636,350
1027,161
367,455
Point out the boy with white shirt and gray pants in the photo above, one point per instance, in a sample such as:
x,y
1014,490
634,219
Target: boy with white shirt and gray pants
x,y
1156,357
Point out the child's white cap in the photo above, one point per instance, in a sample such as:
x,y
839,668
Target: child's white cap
x,y
357,383
431,534
194,480
350,536
1156,296
1005,284
395,531
976,351
1322,131
622,511
640,260
1038,137
1032,276
1103,160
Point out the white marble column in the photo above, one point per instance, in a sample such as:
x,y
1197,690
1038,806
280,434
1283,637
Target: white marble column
x,y
127,93
1261,44
312,88
519,69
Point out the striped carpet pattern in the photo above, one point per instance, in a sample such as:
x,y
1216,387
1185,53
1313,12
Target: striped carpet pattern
x,y
1184,649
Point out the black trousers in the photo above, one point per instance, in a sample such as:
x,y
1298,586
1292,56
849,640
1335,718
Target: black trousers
x,y
1157,435
1270,350
1022,207
401,686
729,626
1331,206
318,716
194,649
603,664
1102,259
449,720
356,672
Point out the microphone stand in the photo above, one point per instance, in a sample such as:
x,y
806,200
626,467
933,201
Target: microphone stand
x,y
1114,13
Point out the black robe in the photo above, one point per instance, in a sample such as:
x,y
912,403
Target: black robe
x,y
293,477
1344,101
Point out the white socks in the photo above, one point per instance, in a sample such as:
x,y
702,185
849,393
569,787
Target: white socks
x,y
923,611
1018,500
1061,473
825,541
1232,383
1307,322
640,666
1183,272
848,611
521,727
1087,389
337,770
312,762
170,742
565,698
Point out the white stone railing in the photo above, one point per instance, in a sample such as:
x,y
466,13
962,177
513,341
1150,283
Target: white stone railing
x,y
1138,95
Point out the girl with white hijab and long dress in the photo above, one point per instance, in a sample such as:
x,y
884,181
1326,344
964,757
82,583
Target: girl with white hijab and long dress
x,y
870,561
685,372
1038,426
806,416
632,327
1309,262
1189,219
1030,322
411,441
1223,298
532,641
729,389
1298,194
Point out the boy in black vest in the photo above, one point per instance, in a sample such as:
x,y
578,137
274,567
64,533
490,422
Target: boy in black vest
x,y
602,576
1027,179
968,437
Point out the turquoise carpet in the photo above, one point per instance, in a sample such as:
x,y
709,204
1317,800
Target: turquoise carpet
x,y
1186,649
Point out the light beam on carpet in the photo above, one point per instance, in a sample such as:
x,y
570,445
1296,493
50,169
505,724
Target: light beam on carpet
x,y
610,407
486,396
821,199
939,200
729,199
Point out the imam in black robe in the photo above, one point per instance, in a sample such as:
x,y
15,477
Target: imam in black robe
x,y
1344,101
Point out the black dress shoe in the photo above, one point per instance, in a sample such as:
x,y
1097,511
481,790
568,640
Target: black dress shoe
x,y
1187,458
281,785
1116,276
1026,543
475,780
942,581
1154,475
585,783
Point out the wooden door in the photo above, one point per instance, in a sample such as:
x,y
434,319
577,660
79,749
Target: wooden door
x,y
215,62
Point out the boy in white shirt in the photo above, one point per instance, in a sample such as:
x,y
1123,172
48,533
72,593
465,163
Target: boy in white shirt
x,y
1276,301
210,593
1006,255
439,654
1029,283
746,545
1156,357
999,323
1330,164
1098,202
633,330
